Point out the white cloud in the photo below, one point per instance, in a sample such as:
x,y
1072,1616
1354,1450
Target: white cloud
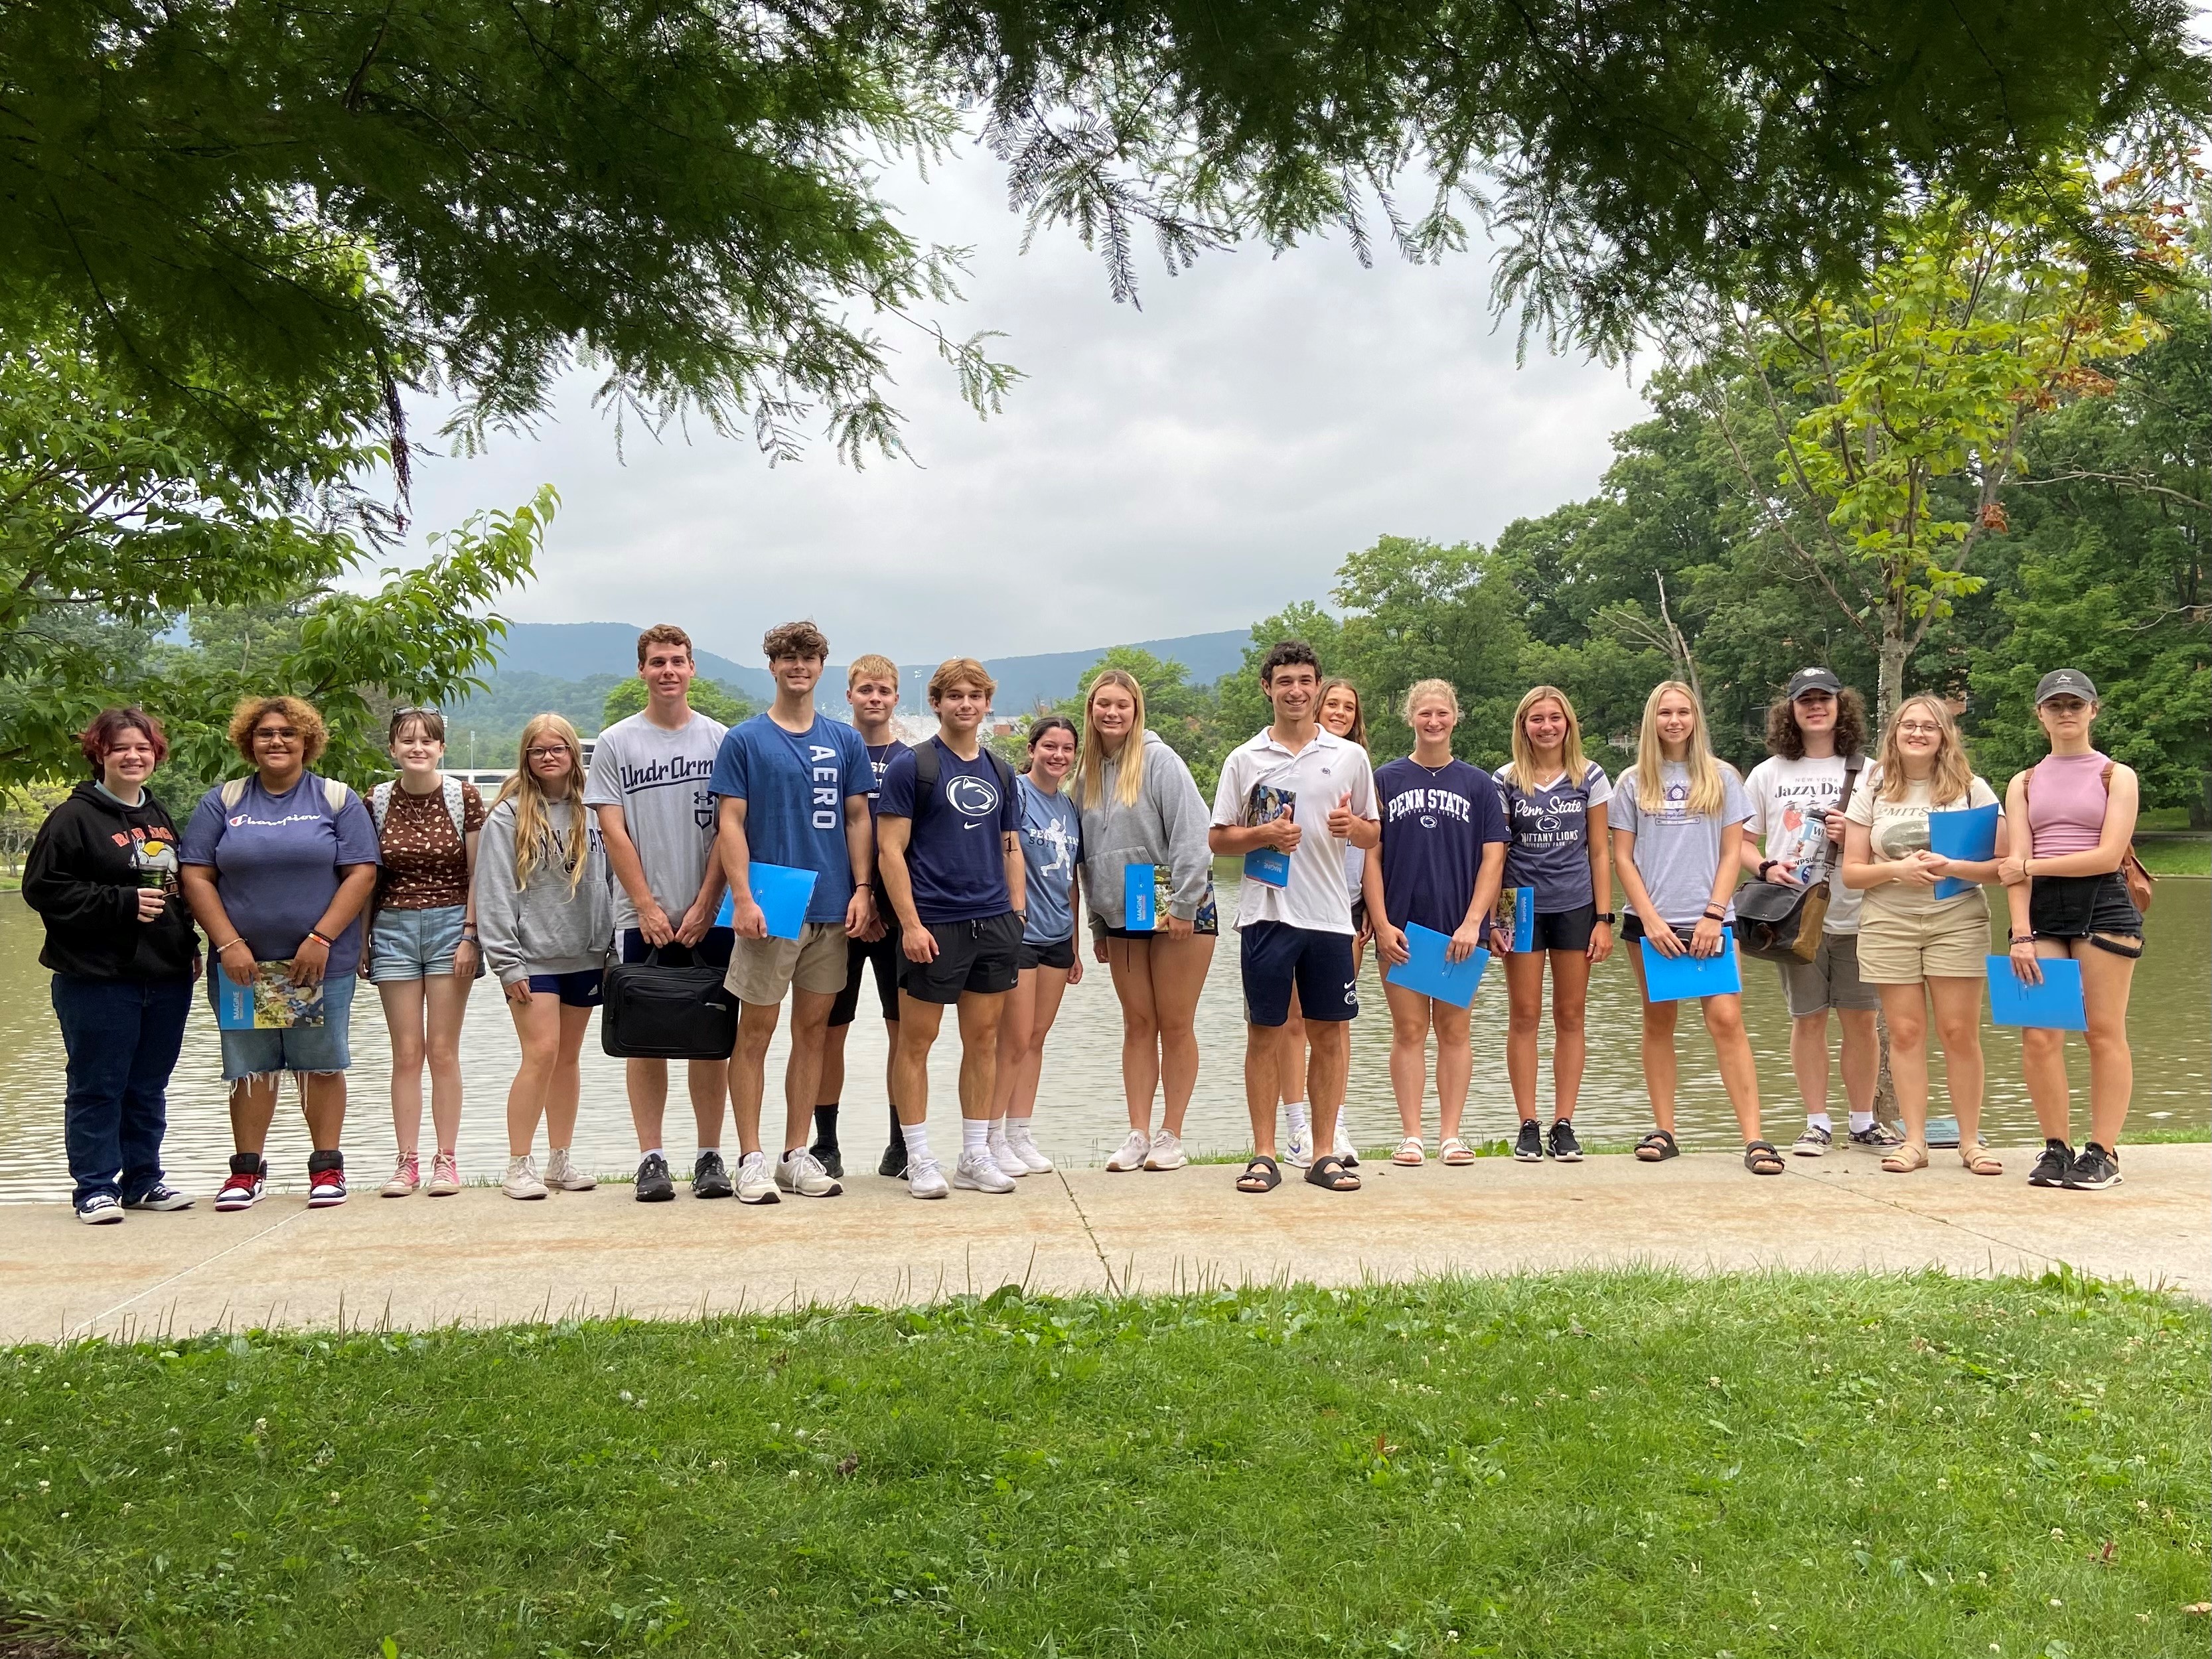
x,y
1187,467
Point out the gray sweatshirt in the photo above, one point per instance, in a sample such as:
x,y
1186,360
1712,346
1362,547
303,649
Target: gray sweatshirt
x,y
1168,825
542,928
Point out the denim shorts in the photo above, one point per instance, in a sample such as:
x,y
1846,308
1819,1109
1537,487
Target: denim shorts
x,y
295,1048
415,943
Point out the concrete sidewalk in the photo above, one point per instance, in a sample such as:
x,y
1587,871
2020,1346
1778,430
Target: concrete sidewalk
x,y
481,1258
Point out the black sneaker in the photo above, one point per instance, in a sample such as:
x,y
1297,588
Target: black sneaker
x,y
2054,1166
1529,1148
653,1185
1564,1146
2093,1171
826,1153
893,1162
710,1179
160,1196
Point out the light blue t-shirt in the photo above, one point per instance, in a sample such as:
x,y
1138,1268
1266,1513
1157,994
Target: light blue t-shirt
x,y
794,788
1052,847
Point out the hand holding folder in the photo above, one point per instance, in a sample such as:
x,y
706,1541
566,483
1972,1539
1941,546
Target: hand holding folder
x,y
1430,971
1970,834
782,894
1680,979
2056,1004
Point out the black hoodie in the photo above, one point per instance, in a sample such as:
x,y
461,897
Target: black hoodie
x,y
83,878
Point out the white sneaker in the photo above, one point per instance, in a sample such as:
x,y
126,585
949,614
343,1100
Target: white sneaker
x,y
756,1181
1133,1153
1344,1149
561,1171
1299,1145
979,1172
522,1180
1166,1152
799,1172
925,1178
1026,1149
1004,1154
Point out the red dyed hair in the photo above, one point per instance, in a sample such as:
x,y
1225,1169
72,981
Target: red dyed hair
x,y
97,739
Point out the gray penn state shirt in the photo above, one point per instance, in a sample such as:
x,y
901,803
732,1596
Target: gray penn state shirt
x,y
659,778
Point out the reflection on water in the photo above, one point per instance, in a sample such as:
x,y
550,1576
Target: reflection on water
x,y
1081,1117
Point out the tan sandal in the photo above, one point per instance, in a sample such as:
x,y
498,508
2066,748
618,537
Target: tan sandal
x,y
1904,1159
1980,1160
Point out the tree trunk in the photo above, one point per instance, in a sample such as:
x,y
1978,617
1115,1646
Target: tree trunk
x,y
1890,689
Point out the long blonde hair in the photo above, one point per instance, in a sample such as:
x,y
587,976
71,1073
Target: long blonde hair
x,y
1707,793
1572,758
1091,771
1951,775
535,838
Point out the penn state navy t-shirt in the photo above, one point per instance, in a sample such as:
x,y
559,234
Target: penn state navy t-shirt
x,y
1550,850
1436,822
794,786
955,858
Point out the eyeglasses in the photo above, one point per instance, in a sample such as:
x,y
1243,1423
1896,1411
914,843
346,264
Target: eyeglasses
x,y
1919,729
547,752
273,733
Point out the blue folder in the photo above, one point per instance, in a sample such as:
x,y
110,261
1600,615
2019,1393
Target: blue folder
x,y
782,894
1140,887
1677,979
1969,833
1268,866
1427,971
1519,905
2054,1006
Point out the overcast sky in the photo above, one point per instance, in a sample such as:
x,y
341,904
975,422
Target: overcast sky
x,y
1190,466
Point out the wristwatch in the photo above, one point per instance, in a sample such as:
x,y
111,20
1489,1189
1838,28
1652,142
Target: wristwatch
x,y
1607,918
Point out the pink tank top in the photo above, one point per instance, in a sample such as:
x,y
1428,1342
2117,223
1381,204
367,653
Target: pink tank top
x,y
2066,803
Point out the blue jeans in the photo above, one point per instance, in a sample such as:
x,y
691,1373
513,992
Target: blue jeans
x,y
123,1036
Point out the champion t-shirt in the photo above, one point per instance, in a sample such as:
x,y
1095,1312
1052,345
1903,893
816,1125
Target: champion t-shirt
x,y
794,786
1052,847
1436,822
277,860
1782,793
1549,846
955,858
659,778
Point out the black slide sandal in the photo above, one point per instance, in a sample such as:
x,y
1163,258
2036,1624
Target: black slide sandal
x,y
1656,1147
1328,1171
1760,1157
1261,1174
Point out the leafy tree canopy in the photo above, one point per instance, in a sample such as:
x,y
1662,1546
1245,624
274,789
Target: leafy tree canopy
x,y
709,697
686,193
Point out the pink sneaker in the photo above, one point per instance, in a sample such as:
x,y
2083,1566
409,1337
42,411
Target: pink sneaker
x,y
444,1176
406,1176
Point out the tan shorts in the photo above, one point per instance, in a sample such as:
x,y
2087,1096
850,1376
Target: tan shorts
x,y
1896,950
763,969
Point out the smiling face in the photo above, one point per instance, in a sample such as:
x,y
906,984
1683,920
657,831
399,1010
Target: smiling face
x,y
1677,720
1052,755
667,671
962,705
416,751
1340,710
1546,723
1292,689
128,762
1432,720
1919,733
1113,711
277,749
795,675
1814,712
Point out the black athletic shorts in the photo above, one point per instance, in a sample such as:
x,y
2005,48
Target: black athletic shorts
x,y
883,958
1059,953
2075,907
1565,930
971,956
1277,958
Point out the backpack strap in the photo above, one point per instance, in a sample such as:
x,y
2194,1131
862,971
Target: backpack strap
x,y
456,805
380,802
234,791
334,795
928,769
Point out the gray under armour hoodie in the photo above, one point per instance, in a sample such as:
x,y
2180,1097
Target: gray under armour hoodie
x,y
1168,825
542,928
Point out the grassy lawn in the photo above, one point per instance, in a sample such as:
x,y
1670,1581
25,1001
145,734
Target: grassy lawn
x,y
1598,1464
2176,858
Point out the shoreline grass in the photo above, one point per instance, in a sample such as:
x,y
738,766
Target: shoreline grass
x,y
1599,1463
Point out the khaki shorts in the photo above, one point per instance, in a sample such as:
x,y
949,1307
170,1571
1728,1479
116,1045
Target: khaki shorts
x,y
1906,950
763,969
1830,980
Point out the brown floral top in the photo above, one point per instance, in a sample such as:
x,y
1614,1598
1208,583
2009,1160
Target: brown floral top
x,y
426,866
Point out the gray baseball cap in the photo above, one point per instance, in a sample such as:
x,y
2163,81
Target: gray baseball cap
x,y
1812,680
2064,682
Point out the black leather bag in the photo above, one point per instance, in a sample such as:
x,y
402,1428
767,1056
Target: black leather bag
x,y
657,1009
1775,923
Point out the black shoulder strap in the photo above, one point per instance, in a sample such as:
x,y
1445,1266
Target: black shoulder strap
x,y
1852,765
926,772
1005,771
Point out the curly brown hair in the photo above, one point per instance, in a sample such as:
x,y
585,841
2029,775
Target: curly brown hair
x,y
314,736
795,638
1784,738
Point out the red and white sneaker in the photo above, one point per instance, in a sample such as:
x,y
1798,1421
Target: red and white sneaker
x,y
326,1187
242,1191
444,1176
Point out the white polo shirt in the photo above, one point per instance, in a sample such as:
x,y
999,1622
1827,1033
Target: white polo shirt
x,y
1315,778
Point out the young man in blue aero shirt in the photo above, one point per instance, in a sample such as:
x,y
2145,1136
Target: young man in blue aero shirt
x,y
790,788
951,857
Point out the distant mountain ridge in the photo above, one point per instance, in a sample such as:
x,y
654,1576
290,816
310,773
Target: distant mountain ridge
x,y
576,651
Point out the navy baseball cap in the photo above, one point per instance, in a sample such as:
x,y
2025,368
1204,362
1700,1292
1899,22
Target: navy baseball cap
x,y
1813,679
2064,682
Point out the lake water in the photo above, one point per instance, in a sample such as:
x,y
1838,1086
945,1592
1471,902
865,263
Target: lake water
x,y
1080,1117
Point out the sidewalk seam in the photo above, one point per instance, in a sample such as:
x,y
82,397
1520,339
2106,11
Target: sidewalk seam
x,y
1075,1203
1922,1215
84,1327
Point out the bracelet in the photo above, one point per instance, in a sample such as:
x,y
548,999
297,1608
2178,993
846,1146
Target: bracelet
x,y
1764,865
237,939
1714,912
2012,937
318,939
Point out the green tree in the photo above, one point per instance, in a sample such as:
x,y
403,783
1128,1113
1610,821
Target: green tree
x,y
1182,713
709,697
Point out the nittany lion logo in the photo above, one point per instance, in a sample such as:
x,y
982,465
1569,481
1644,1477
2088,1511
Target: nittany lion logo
x,y
971,797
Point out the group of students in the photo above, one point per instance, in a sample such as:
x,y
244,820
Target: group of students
x,y
948,878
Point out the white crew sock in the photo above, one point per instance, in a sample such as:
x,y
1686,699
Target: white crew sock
x,y
917,1136
995,1131
1819,1121
1861,1122
650,1152
975,1136
1294,1116
1018,1129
